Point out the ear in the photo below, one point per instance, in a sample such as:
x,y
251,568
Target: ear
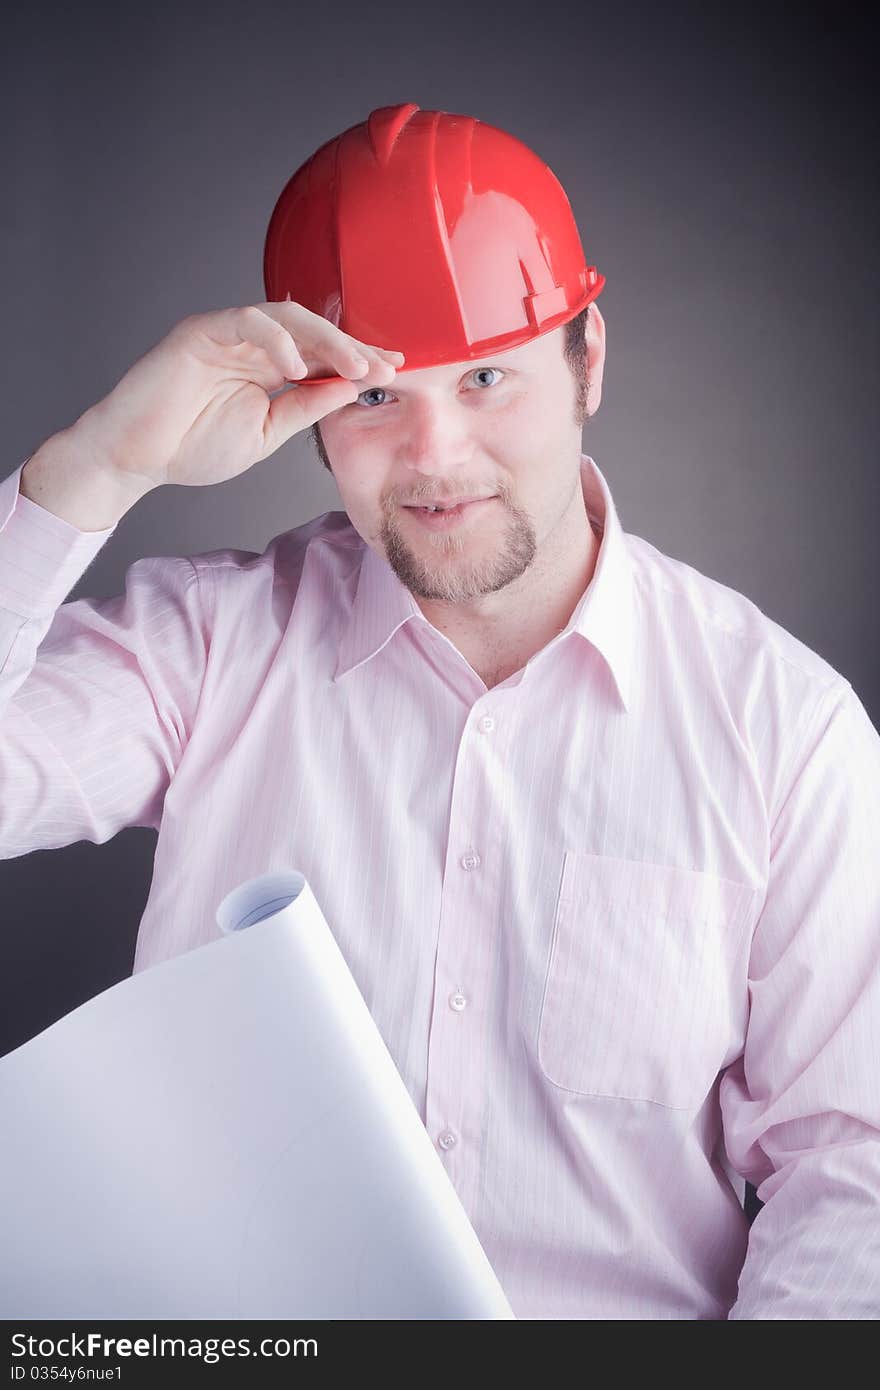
x,y
595,350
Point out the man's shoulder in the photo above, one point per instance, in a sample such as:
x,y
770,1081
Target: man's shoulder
x,y
700,608
330,539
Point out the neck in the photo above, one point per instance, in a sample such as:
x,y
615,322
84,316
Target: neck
x,y
499,632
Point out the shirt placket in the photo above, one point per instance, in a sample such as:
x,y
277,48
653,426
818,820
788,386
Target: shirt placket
x,y
460,1029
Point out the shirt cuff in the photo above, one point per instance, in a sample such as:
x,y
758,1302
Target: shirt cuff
x,y
41,555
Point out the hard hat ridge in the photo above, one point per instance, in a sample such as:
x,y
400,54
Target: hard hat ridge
x,y
384,126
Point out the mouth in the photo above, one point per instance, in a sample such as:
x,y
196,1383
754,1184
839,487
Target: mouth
x,y
438,517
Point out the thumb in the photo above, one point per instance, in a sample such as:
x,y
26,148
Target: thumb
x,y
301,406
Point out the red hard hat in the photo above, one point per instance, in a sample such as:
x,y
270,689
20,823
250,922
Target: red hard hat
x,y
435,234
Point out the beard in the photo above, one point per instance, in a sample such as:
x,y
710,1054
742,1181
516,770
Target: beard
x,y
442,567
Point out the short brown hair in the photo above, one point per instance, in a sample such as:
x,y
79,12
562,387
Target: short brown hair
x,y
574,352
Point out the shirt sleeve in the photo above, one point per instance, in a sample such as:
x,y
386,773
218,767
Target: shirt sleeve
x,y
801,1106
97,696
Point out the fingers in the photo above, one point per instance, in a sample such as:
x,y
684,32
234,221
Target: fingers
x,y
298,342
253,326
395,358
296,410
322,344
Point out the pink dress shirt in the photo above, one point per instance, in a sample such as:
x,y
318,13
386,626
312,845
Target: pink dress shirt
x,y
617,918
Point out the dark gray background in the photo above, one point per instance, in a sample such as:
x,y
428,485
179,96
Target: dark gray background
x,y
722,174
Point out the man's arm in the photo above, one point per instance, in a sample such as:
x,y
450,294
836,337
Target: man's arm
x,y
97,696
801,1107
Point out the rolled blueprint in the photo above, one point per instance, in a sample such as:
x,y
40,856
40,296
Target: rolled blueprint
x,y
226,1135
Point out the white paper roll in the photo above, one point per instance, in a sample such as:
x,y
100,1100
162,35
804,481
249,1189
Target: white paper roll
x,y
225,1135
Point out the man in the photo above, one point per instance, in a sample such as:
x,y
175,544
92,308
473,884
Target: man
x,y
596,837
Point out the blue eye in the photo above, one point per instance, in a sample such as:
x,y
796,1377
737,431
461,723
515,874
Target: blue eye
x,y
371,391
381,391
479,371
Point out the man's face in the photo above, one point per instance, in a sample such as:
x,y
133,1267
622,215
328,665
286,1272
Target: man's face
x,y
503,428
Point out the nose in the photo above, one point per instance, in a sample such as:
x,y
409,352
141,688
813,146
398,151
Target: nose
x,y
435,441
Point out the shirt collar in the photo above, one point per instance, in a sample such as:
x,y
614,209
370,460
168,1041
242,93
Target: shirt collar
x,y
604,615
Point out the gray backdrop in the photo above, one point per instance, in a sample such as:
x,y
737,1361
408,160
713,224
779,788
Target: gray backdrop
x,y
722,176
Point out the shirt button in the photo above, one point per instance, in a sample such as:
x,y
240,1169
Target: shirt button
x,y
470,860
486,724
447,1139
457,1002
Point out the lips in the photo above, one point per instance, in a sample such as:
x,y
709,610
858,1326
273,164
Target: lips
x,y
448,516
444,505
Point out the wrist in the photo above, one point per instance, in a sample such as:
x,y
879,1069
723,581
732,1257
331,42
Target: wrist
x,y
69,476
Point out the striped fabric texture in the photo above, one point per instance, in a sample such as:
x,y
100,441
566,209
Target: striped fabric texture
x,y
617,917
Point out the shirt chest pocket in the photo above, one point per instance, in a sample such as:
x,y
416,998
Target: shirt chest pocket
x,y
641,999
